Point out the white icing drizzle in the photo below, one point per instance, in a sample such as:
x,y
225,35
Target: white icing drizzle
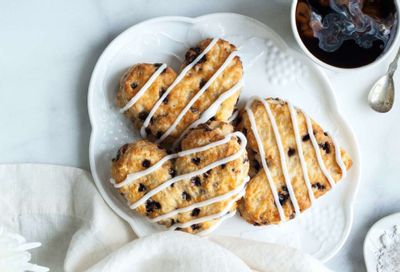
x,y
134,176
293,116
189,175
318,151
262,156
211,111
209,217
282,156
176,81
197,95
339,159
147,85
238,191
217,224
207,202
234,116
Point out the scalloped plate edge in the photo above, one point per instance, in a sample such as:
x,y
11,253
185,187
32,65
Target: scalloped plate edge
x,y
356,155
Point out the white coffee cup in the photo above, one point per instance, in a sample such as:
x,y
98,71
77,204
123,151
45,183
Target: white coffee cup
x,y
380,59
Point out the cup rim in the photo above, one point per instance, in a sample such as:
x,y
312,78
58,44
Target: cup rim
x,y
379,60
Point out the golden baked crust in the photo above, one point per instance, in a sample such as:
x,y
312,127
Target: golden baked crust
x,y
180,96
218,181
258,205
133,80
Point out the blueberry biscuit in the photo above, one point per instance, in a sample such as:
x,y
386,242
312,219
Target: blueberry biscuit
x,y
165,105
193,190
293,161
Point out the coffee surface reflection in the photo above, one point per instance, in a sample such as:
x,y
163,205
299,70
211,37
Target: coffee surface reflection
x,y
347,33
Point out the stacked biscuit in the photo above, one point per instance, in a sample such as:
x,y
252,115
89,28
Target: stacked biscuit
x,y
193,169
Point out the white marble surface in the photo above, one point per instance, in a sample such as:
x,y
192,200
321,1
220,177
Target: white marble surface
x,y
48,50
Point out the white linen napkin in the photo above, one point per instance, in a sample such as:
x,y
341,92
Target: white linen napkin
x,y
61,208
171,251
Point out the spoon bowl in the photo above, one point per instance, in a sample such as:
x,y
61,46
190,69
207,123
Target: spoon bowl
x,y
381,96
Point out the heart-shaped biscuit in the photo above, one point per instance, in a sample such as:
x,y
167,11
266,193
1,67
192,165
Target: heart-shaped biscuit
x,y
165,105
293,161
193,190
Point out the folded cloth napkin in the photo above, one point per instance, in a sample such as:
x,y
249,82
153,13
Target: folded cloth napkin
x,y
61,208
171,251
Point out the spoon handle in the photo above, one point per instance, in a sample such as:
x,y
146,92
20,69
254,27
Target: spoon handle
x,y
393,64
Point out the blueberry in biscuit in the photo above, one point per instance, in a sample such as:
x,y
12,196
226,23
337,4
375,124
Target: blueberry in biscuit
x,y
165,105
193,190
293,161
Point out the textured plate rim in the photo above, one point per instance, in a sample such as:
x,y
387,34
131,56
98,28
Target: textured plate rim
x,y
349,207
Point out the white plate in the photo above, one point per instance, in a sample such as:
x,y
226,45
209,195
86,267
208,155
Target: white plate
x,y
373,242
271,69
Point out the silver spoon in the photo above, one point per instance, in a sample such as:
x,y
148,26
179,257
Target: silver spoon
x,y
381,96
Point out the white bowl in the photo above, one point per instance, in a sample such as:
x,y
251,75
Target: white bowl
x,y
380,59
372,241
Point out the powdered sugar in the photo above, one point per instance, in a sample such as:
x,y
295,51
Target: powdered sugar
x,y
389,252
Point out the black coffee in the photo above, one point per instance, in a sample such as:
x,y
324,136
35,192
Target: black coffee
x,y
347,33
